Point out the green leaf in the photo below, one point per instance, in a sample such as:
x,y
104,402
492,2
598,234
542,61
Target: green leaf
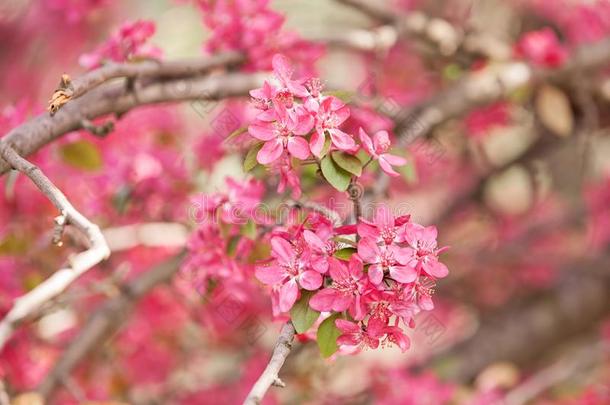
x,y
336,176
343,95
249,229
13,245
302,315
250,161
347,162
327,144
232,245
121,199
236,133
345,253
408,172
82,155
260,251
327,336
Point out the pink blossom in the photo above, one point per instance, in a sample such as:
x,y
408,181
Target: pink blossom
x,y
542,48
322,247
346,290
391,259
329,115
283,134
289,178
283,71
378,147
128,42
385,228
423,250
357,334
288,270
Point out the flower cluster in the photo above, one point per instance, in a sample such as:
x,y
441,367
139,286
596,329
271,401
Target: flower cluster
x,y
130,41
372,286
295,120
250,26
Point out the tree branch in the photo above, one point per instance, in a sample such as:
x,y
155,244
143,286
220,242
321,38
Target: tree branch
x,y
270,376
105,321
116,98
31,302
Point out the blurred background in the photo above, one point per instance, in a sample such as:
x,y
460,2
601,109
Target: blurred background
x,y
501,108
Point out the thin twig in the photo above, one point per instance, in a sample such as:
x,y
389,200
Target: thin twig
x,y
270,376
31,302
565,368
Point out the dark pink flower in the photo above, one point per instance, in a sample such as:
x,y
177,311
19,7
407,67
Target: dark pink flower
x,y
360,335
283,71
282,134
127,43
289,271
423,250
322,247
386,259
329,115
346,290
378,147
385,228
542,48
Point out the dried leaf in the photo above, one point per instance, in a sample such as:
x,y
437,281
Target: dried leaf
x,y
29,398
554,110
62,94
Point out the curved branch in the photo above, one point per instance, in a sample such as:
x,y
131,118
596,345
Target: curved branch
x,y
29,303
152,68
116,98
270,376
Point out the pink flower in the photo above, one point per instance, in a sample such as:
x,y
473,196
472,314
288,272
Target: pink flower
x,y
329,115
396,335
423,250
283,72
322,247
542,48
288,271
283,134
377,148
345,292
385,228
357,334
128,42
263,97
289,178
391,259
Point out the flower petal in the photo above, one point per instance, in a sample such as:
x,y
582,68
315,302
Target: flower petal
x,y
270,152
288,295
310,280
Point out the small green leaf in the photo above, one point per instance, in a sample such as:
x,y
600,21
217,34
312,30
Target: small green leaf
x,y
232,245
302,315
327,336
249,229
236,133
343,95
82,155
336,176
250,161
260,251
121,199
13,245
345,253
347,162
327,144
